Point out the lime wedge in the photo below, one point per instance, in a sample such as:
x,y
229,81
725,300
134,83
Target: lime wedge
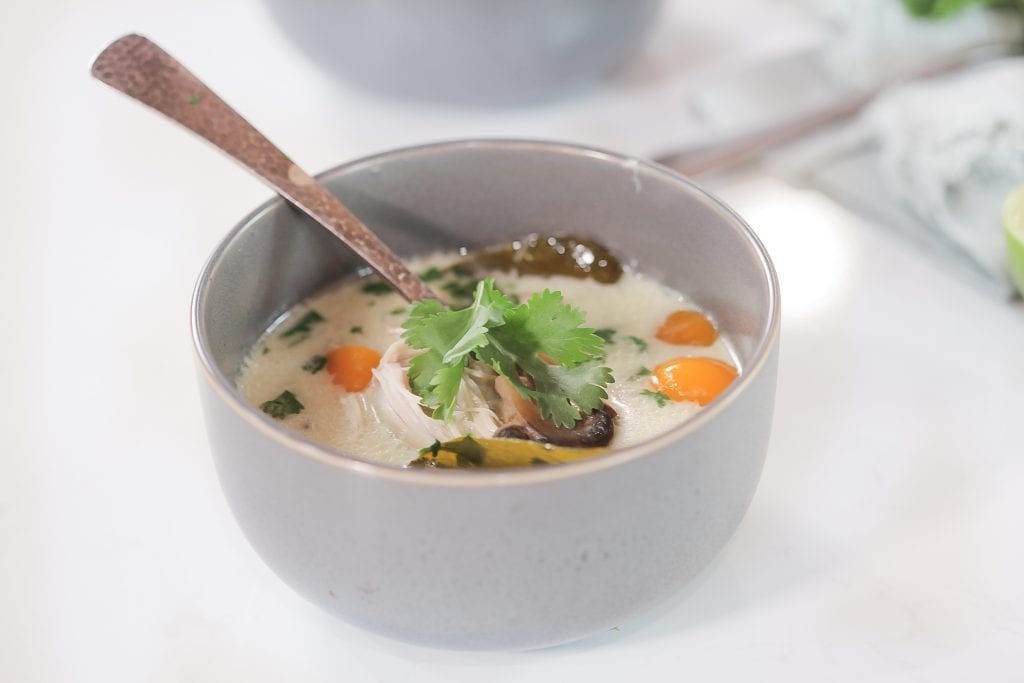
x,y
1013,222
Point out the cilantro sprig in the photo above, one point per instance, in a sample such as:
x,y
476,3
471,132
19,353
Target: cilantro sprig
x,y
539,346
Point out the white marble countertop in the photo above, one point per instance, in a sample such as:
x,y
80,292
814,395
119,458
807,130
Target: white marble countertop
x,y
884,542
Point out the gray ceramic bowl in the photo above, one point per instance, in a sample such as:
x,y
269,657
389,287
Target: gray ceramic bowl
x,y
483,52
511,559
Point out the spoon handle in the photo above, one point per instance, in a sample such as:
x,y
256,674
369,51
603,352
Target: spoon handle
x,y
139,68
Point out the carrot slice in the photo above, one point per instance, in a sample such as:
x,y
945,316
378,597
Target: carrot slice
x,y
352,366
690,328
700,380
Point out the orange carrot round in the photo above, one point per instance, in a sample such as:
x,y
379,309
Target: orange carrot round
x,y
352,366
690,328
700,380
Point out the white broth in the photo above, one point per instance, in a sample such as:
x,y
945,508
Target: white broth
x,y
627,312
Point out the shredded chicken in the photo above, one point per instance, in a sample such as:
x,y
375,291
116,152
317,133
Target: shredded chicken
x,y
399,408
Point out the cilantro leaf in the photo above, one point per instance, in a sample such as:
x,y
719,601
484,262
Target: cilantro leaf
x,y
315,364
539,347
642,372
460,290
422,370
448,337
377,287
641,344
281,407
431,326
431,274
659,398
545,324
302,329
433,448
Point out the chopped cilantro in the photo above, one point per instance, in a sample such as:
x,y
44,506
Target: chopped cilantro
x,y
300,330
431,274
433,448
281,407
460,290
659,398
606,333
942,9
397,311
642,372
511,339
356,329
315,364
640,343
377,287
459,271
266,350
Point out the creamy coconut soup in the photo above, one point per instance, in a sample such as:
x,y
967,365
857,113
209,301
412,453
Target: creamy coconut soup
x,y
621,358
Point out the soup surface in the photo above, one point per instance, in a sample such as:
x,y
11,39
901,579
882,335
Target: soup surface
x,y
376,418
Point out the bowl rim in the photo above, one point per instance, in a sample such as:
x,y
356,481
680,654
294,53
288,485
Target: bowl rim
x,y
305,447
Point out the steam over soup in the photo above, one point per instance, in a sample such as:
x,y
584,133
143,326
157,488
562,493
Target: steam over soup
x,y
544,351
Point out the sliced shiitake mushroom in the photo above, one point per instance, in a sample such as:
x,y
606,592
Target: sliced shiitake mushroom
x,y
594,430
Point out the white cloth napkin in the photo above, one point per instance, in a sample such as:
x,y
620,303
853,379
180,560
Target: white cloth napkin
x,y
931,160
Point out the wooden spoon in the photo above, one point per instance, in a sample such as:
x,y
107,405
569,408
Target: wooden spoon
x,y
139,68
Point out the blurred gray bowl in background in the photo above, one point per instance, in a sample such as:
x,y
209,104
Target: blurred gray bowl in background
x,y
470,52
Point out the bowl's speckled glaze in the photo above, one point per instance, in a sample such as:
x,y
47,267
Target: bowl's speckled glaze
x,y
492,560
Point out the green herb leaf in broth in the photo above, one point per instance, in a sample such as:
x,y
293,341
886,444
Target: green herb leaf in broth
x,y
448,337
432,274
460,290
315,364
281,407
641,345
542,338
377,288
659,398
433,448
301,330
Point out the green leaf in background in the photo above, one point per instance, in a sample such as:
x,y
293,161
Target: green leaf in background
x,y
940,9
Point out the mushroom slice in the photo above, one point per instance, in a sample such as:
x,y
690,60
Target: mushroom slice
x,y
593,430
